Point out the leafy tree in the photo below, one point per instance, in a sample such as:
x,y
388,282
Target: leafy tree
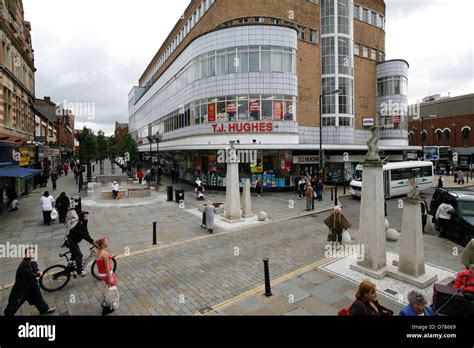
x,y
88,145
102,146
129,145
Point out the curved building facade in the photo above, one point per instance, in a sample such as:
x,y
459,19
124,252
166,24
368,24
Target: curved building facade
x,y
253,71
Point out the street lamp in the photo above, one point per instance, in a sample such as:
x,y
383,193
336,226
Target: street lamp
x,y
321,163
422,135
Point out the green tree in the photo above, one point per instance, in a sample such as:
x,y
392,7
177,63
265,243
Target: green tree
x,y
129,145
112,146
88,146
102,146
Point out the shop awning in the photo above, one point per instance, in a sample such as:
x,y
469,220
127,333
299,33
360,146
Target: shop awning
x,y
18,173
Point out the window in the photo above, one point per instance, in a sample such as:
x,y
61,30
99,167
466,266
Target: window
x,y
301,33
275,21
243,20
373,18
220,63
380,57
373,54
259,20
243,61
267,108
466,133
231,61
313,36
438,135
365,52
254,61
243,108
266,61
356,12
356,49
365,15
447,133
277,61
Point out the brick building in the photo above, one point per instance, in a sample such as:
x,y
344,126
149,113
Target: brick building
x,y
254,70
17,74
453,125
121,129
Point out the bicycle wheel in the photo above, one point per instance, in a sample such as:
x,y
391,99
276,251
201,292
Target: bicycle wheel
x,y
54,278
95,271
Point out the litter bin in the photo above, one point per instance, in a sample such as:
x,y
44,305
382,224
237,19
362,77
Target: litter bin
x,y
170,193
179,195
76,204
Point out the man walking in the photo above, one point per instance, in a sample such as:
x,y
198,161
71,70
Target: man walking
x,y
26,287
54,179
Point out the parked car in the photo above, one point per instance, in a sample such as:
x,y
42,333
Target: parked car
x,y
461,228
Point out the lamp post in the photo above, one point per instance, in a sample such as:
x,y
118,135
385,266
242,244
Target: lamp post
x,y
321,163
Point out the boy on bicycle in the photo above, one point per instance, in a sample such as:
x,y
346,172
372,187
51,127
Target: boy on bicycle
x,y
78,233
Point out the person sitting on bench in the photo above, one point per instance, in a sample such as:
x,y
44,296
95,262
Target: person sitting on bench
x,y
115,190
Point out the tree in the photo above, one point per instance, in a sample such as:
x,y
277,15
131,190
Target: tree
x,y
88,151
129,145
102,149
112,146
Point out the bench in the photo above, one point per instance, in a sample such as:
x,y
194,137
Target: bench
x,y
139,193
109,195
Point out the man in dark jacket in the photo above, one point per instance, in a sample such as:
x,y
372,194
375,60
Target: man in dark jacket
x,y
26,287
75,236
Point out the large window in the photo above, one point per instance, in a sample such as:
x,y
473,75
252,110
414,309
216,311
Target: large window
x,y
343,17
328,55
394,85
346,99
345,57
327,16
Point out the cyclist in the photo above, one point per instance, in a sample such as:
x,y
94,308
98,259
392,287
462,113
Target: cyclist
x,y
78,233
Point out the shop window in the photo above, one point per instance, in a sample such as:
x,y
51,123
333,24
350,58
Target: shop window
x,y
254,106
243,108
267,109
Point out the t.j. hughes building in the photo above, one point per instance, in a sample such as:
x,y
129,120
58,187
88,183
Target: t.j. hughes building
x,y
253,71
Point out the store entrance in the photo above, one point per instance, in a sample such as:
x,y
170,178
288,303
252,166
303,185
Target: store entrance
x,y
309,169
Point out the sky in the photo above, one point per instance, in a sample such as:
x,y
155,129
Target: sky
x,y
90,53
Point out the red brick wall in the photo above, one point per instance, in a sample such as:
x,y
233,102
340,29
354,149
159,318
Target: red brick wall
x,y
455,124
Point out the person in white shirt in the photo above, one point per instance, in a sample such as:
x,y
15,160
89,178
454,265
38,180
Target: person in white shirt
x,y
443,216
47,204
115,190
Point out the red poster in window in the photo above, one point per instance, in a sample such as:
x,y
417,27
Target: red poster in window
x,y
396,119
211,113
277,110
255,106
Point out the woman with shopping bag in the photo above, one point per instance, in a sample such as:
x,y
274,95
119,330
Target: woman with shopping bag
x,y
105,273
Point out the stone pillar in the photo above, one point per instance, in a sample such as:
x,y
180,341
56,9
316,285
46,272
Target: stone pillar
x,y
372,221
232,199
412,253
247,210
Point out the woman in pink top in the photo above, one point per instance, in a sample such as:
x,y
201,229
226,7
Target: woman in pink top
x,y
105,272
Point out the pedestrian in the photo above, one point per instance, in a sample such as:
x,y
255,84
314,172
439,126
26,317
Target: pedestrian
x,y
26,287
62,206
47,202
140,176
417,306
54,179
115,190
76,235
443,217
76,176
301,187
15,205
259,187
440,182
153,173
65,168
176,175
11,195
337,223
319,189
366,303
467,256
309,193
465,280
209,212
159,173
148,178
59,169
72,164
296,183
460,178
106,274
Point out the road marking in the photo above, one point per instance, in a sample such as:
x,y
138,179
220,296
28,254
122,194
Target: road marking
x,y
260,289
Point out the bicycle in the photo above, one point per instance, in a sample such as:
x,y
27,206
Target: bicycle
x,y
56,277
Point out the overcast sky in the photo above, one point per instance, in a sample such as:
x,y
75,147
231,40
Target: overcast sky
x,y
94,51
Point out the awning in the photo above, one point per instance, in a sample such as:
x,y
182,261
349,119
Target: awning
x,y
18,173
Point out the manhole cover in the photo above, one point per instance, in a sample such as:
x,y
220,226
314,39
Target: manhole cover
x,y
205,310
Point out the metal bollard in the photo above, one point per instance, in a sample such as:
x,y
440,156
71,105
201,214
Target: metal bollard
x,y
268,289
344,189
332,193
154,233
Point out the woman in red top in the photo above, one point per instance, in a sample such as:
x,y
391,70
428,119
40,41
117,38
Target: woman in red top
x,y
140,176
465,280
105,272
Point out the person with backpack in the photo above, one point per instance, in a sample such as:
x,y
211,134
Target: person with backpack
x,y
26,287
62,206
366,303
76,235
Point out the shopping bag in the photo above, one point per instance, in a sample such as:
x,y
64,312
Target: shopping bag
x,y
112,297
54,214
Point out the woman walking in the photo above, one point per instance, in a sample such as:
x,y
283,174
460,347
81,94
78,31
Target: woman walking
x,y
47,202
140,176
337,223
208,217
259,187
62,206
106,274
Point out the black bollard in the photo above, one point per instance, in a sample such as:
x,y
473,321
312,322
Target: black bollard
x,y
344,189
154,233
332,193
268,288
